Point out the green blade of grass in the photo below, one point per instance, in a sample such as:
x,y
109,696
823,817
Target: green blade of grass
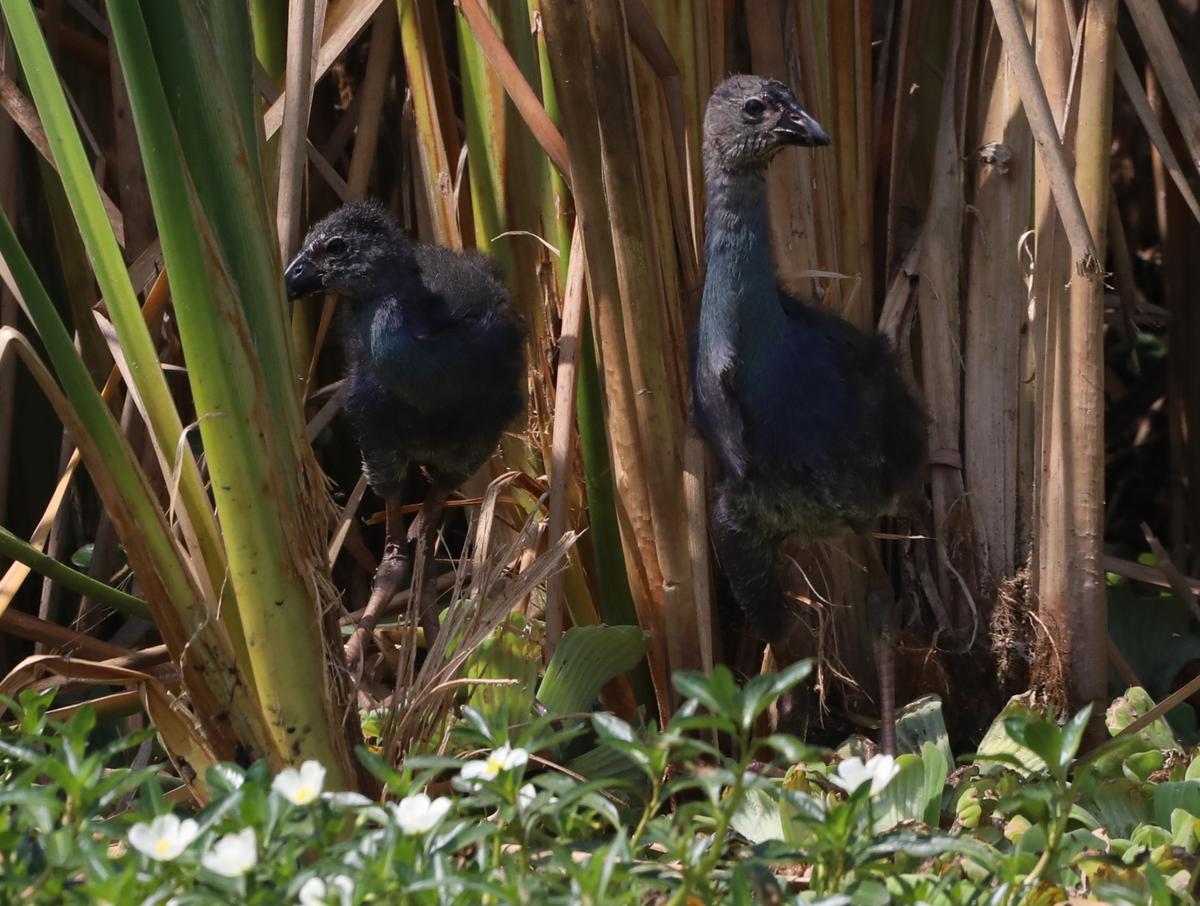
x,y
109,266
16,549
217,127
209,670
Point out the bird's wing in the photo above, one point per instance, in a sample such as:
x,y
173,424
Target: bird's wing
x,y
438,322
467,287
717,410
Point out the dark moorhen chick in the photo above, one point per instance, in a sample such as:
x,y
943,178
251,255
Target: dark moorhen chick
x,y
815,430
435,357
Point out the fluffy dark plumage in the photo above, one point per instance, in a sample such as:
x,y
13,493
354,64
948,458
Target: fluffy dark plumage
x,y
814,427
435,349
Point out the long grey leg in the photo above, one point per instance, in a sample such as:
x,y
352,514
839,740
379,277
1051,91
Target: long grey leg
x,y
880,606
394,571
424,532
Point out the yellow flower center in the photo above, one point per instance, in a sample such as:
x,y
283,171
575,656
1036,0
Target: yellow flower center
x,y
495,765
162,847
305,794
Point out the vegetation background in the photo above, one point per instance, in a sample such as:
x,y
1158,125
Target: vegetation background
x,y
1010,197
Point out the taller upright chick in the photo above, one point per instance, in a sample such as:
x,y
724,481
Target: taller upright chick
x,y
815,429
435,359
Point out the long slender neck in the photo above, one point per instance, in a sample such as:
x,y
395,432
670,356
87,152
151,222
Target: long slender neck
x,y
740,305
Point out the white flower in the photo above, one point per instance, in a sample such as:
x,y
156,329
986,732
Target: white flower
x,y
504,758
879,771
164,838
418,814
300,787
316,892
526,795
233,855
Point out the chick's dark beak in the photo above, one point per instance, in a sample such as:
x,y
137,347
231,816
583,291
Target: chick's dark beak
x,y
795,127
301,277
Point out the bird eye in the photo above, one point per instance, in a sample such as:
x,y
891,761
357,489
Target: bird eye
x,y
335,246
754,107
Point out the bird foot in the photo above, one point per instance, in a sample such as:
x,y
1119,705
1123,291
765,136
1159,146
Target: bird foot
x,y
394,570
423,534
